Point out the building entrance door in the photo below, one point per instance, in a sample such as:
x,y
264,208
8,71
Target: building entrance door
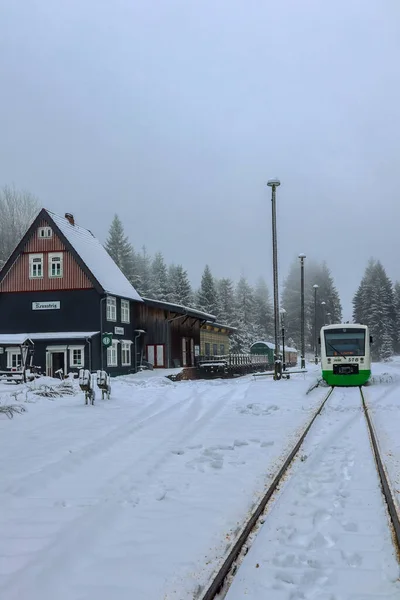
x,y
58,362
56,358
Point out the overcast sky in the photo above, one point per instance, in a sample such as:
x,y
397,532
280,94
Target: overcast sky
x,y
174,113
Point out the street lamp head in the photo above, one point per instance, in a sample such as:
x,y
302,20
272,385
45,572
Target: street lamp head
x,y
282,311
315,286
273,182
323,303
301,255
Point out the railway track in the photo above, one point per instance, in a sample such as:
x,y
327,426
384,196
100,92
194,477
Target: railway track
x,y
219,586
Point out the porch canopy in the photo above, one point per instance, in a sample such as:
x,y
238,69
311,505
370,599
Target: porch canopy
x,y
14,339
17,339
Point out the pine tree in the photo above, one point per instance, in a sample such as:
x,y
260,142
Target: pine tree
x,y
291,302
244,318
386,350
374,305
327,293
158,278
226,297
120,249
179,288
207,298
144,271
263,311
396,299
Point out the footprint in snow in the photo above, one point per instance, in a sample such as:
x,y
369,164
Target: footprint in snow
x,y
178,452
266,444
238,443
352,560
347,526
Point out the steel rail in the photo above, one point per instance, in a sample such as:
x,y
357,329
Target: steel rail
x,y
218,580
386,488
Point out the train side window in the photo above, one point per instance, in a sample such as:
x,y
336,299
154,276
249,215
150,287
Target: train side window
x,y
371,339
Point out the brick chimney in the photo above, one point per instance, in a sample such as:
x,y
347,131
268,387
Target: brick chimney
x,y
70,218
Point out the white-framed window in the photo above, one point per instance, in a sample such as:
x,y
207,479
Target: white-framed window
x,y
112,354
45,232
77,356
35,266
126,358
14,358
111,308
55,264
125,312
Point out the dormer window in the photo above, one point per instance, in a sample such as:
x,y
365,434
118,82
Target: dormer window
x,y
35,266
45,232
55,264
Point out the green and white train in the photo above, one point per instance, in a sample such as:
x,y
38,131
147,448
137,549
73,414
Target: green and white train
x,y
345,354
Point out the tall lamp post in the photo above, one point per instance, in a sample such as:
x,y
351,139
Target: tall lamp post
x,y
303,352
283,312
274,183
323,304
315,286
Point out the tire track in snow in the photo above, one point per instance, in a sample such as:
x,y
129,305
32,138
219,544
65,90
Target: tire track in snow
x,y
98,447
41,572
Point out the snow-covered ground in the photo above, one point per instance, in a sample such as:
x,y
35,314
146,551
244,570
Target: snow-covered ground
x,y
326,534
383,400
141,496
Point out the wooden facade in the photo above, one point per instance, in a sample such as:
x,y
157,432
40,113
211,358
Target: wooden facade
x,y
17,277
215,339
172,333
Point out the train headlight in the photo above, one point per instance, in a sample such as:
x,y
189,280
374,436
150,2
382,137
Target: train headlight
x,y
361,360
329,361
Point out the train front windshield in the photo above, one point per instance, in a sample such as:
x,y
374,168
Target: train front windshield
x,y
345,342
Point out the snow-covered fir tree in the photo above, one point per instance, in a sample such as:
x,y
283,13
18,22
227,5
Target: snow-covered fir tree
x,y
143,260
263,311
320,275
291,302
120,250
207,297
244,319
226,297
179,288
374,305
158,278
17,209
396,299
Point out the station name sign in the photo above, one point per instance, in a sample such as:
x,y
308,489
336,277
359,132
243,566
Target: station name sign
x,y
46,305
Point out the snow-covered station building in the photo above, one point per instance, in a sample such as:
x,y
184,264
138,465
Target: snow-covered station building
x,y
66,305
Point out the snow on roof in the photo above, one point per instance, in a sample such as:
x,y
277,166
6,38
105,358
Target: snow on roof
x,y
344,326
12,339
221,325
271,345
62,335
182,309
21,338
96,258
